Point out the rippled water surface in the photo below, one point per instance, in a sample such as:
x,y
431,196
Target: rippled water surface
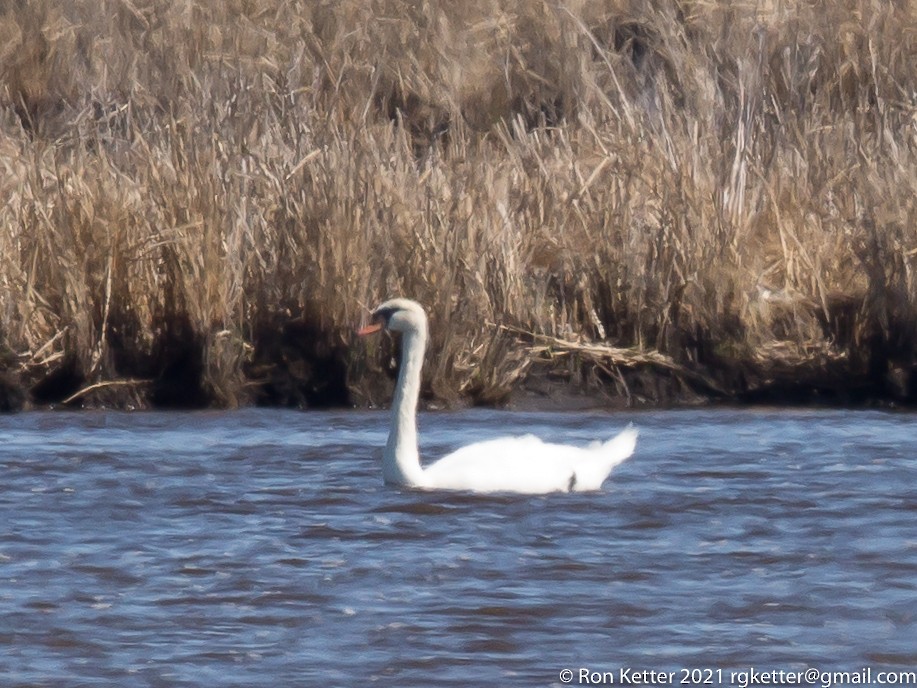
x,y
259,548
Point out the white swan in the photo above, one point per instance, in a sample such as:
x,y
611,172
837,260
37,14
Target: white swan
x,y
509,464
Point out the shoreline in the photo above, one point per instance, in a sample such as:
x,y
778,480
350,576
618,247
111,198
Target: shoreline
x,y
545,385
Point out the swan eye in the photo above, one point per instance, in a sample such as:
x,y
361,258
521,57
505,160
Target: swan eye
x,y
383,315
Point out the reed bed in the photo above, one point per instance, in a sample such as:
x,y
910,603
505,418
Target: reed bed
x,y
669,200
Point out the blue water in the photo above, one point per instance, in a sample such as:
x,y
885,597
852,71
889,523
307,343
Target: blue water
x,y
259,548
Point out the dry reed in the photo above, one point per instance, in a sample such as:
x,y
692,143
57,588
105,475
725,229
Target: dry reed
x,y
200,198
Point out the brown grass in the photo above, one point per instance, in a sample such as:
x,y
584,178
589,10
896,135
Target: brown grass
x,y
201,198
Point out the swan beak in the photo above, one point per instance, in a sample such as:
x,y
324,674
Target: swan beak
x,y
372,328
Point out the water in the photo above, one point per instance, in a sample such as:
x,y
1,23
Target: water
x,y
259,548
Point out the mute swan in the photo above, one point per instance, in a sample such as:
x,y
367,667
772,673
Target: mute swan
x,y
508,464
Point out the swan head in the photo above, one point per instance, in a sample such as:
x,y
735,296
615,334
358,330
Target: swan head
x,y
396,315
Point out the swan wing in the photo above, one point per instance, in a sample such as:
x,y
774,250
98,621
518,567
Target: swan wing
x,y
526,464
507,464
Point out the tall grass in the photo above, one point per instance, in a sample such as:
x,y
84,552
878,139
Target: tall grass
x,y
199,199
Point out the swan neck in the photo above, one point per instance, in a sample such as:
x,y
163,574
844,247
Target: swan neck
x,y
401,461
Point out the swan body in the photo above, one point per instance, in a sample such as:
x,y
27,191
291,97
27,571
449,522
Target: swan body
x,y
509,464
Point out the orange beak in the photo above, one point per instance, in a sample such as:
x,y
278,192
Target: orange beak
x,y
369,329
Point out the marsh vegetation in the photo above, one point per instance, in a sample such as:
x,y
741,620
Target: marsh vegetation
x,y
664,201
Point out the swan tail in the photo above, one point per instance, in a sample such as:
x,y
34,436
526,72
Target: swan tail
x,y
621,446
607,455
